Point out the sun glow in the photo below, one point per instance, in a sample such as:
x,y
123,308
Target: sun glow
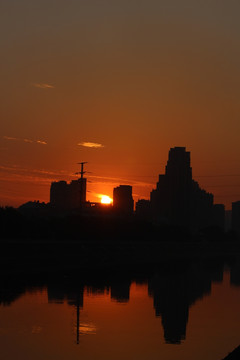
x,y
105,199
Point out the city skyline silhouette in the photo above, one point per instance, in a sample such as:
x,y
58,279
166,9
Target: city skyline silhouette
x,y
119,179
177,198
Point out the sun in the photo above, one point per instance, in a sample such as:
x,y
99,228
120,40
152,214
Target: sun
x,y
106,200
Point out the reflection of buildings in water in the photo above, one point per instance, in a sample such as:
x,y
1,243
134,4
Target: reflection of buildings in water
x,y
120,291
59,292
170,302
119,288
73,294
97,290
12,289
9,294
175,290
235,274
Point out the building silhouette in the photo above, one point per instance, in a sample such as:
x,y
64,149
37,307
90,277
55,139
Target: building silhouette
x,y
123,200
178,199
218,218
236,217
73,294
120,290
68,196
143,209
174,290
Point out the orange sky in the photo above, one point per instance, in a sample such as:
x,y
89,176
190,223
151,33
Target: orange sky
x,y
136,77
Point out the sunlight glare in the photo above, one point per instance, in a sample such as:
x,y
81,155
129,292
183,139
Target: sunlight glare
x,y
106,199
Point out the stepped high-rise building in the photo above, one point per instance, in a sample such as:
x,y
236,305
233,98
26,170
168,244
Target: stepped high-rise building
x,y
178,199
236,217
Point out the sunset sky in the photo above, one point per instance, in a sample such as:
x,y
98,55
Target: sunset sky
x,y
116,84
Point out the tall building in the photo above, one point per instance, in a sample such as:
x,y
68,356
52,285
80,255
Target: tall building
x,y
178,199
68,196
143,209
219,216
59,194
123,200
236,216
77,192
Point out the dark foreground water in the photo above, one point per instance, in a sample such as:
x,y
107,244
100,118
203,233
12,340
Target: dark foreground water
x,y
187,310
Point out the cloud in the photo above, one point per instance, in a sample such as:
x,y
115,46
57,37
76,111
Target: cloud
x,y
115,181
30,141
41,142
9,138
15,172
90,145
43,86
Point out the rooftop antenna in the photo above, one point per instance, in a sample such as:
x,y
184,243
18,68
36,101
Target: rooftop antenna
x,y
82,172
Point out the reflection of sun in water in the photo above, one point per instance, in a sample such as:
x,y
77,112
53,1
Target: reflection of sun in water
x,y
105,199
87,329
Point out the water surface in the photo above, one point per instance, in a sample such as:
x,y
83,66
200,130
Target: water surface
x,y
186,311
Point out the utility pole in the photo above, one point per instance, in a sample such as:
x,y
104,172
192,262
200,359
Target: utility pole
x,y
82,184
82,172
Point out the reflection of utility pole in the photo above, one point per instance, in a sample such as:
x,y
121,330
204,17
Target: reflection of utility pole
x,y
78,318
78,302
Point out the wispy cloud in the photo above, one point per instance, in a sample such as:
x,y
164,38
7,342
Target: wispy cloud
x,y
37,173
41,142
43,86
9,138
18,174
91,145
115,181
30,141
